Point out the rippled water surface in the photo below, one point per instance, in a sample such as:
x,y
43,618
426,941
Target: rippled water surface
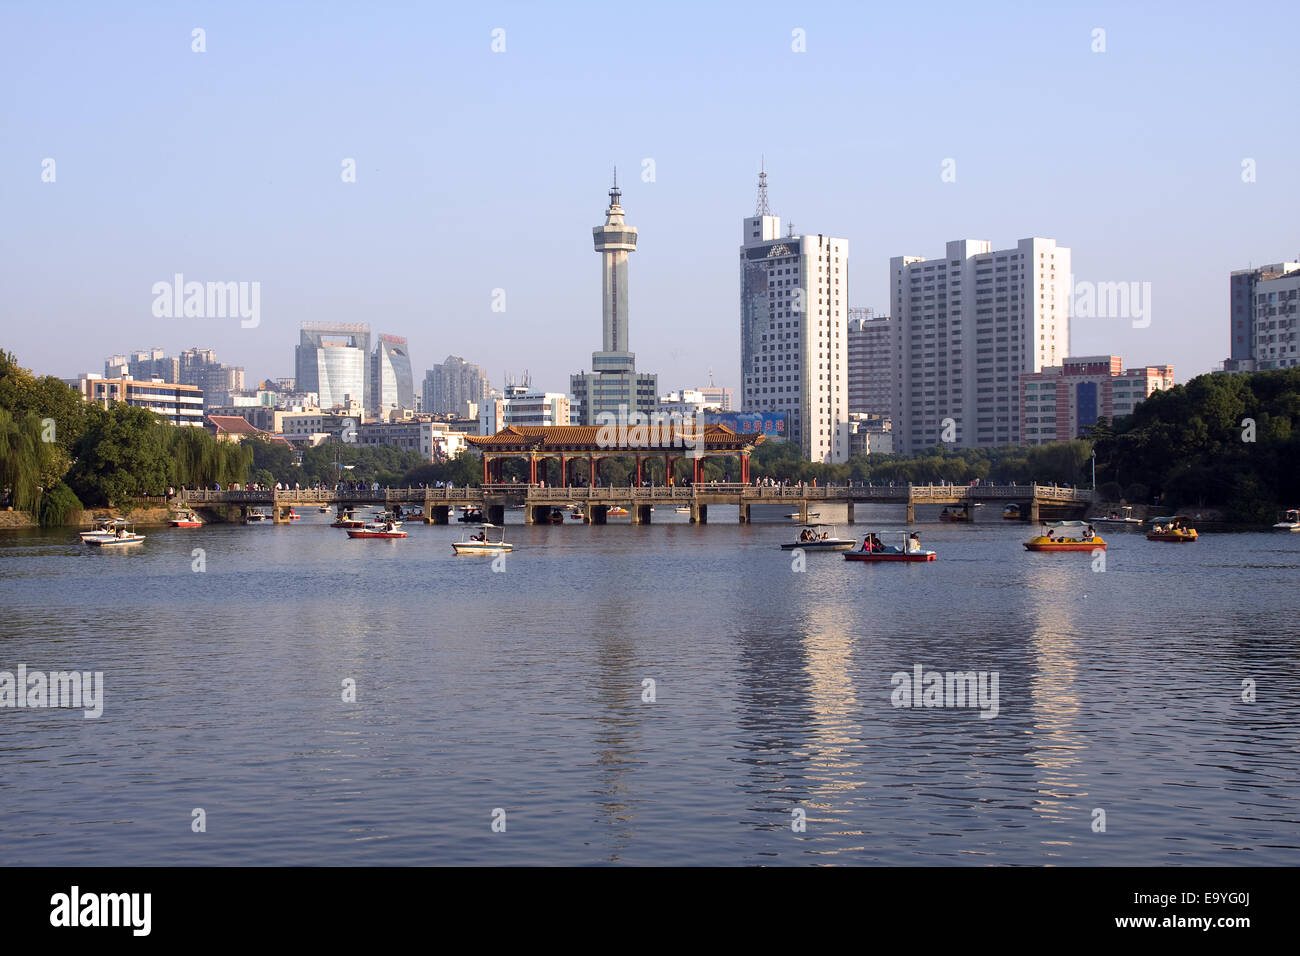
x,y
1118,691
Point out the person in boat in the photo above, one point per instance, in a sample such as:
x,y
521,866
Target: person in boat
x,y
826,535
914,542
1051,534
866,544
876,544
1090,533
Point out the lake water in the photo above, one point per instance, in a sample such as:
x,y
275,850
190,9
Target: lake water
x,y
1119,690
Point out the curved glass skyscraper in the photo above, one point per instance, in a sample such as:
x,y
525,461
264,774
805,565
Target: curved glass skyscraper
x,y
333,360
391,381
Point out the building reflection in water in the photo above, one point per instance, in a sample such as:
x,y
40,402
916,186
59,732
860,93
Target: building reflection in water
x,y
1057,744
799,719
618,714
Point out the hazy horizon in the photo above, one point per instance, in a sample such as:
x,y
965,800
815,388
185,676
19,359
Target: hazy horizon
x,y
479,170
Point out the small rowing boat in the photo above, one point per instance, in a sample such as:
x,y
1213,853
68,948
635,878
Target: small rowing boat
x,y
1175,529
123,534
819,537
483,543
1051,541
874,550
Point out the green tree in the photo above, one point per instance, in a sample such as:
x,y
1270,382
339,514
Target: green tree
x,y
28,465
122,454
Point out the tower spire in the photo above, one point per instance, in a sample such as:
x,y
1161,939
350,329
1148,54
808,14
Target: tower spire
x,y
615,193
761,209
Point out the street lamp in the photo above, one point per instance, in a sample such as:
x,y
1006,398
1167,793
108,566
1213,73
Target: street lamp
x,y
1094,469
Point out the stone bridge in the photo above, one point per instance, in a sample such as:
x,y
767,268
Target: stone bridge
x,y
539,500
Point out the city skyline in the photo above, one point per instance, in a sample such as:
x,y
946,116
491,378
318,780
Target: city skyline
x,y
170,163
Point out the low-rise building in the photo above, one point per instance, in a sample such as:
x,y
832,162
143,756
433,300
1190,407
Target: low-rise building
x,y
300,426
431,439
870,435
234,428
179,404
1059,402
522,406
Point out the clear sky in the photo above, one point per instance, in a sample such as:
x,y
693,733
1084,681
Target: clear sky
x,y
478,170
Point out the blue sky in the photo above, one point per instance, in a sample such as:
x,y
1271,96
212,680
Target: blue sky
x,y
479,170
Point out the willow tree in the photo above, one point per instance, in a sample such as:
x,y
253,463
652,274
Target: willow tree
x,y
28,464
199,459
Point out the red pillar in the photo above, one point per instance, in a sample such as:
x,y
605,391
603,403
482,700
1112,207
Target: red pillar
x,y
532,469
564,474
485,469
591,471
638,471
744,468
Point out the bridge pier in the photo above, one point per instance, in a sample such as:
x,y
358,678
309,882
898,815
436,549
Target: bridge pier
x,y
437,514
1033,511
911,511
699,513
640,514
850,512
744,513
598,514
494,514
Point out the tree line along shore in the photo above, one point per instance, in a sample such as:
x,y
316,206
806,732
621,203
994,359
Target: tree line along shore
x,y
1223,443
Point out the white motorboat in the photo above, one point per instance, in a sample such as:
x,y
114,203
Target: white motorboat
x,y
122,534
1290,521
102,528
256,516
1122,517
481,542
820,537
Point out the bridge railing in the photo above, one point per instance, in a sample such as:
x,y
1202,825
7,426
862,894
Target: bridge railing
x,y
538,493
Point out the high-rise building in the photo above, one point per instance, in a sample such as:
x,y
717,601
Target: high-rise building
x,y
449,386
200,368
153,363
613,385
871,363
144,364
333,360
966,327
392,384
1060,401
1262,319
794,331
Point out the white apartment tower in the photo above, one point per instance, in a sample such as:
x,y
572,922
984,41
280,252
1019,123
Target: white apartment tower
x,y
794,331
965,328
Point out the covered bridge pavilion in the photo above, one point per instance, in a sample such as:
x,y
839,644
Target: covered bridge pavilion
x,y
590,443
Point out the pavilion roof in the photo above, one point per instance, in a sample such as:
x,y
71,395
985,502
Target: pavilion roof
x,y
597,438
